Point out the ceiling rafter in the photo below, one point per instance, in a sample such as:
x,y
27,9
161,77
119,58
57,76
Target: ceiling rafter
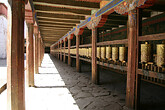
x,y
68,4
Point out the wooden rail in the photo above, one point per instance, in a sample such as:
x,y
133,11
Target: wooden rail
x,y
160,36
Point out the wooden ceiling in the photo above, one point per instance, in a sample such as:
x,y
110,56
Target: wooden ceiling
x,y
57,17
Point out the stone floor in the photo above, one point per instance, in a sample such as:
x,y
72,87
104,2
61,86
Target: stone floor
x,y
3,72
59,87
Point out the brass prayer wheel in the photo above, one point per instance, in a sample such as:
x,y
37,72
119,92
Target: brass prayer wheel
x,y
108,52
145,52
98,52
160,55
103,52
122,54
90,52
115,52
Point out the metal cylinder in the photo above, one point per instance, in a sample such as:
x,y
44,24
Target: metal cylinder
x,y
108,52
90,52
103,52
145,52
160,55
122,54
115,52
98,52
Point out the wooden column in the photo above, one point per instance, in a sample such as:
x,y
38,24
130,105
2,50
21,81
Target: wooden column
x,y
77,53
64,51
58,51
138,76
61,51
15,56
132,58
95,74
69,58
30,56
39,50
36,53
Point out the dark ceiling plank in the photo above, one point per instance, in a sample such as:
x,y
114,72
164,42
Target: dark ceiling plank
x,y
67,4
59,21
54,23
62,10
50,25
63,19
60,16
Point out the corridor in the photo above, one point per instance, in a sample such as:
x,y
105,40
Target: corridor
x,y
57,85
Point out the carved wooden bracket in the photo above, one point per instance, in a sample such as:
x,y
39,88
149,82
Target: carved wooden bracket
x,y
97,21
35,29
129,5
78,31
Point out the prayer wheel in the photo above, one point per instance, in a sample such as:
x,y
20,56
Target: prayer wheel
x,y
115,52
145,52
98,52
87,53
122,54
90,52
103,52
108,52
160,55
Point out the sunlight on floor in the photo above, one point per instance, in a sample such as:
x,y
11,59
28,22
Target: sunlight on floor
x,y
50,92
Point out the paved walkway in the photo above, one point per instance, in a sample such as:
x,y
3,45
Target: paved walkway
x,y
60,87
3,74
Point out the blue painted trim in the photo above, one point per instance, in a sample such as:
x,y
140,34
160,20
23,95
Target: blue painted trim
x,y
112,4
84,22
72,31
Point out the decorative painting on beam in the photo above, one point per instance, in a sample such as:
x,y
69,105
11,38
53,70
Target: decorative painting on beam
x,y
83,24
129,5
78,31
97,21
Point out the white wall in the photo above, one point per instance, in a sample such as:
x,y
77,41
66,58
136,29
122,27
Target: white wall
x,y
3,36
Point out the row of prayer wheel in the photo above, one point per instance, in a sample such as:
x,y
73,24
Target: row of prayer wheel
x,y
104,53
159,57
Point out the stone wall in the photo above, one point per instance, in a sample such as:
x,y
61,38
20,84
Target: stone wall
x,y
3,36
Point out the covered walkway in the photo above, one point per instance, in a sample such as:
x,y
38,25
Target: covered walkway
x,y
60,87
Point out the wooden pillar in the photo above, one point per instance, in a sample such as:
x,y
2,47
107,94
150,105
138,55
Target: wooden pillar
x,y
30,56
138,76
39,50
132,58
58,51
36,53
61,51
77,53
69,58
64,51
15,56
95,74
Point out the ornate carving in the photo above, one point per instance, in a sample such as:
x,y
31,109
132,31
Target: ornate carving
x,y
94,22
97,22
128,5
78,31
